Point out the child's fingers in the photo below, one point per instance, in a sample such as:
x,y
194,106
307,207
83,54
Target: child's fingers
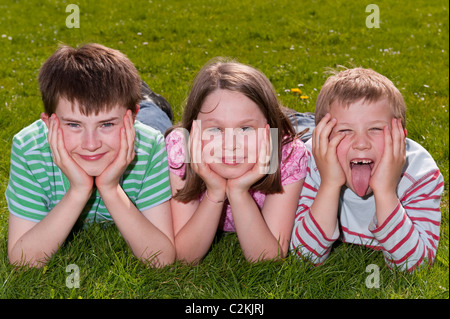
x,y
270,142
398,137
123,152
130,135
387,143
55,139
322,134
334,142
62,158
264,152
191,144
196,149
318,129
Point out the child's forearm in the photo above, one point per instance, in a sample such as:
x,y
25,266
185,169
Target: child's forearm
x,y
324,209
39,243
194,239
147,242
385,204
256,240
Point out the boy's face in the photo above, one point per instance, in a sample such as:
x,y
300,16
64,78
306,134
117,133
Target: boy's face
x,y
360,152
92,141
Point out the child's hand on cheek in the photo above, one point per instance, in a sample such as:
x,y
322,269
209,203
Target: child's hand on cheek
x,y
77,177
261,168
324,150
386,176
215,184
110,177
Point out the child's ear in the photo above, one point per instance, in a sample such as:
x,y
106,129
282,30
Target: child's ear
x,y
44,118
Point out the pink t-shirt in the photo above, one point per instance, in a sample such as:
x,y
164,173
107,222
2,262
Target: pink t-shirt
x,y
293,168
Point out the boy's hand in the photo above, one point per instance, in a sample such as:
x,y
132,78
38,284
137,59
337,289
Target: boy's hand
x,y
261,168
77,177
324,152
215,184
110,177
385,177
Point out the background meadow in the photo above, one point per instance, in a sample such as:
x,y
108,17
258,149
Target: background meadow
x,y
293,43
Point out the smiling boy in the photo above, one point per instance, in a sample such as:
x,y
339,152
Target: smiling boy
x,y
367,183
88,160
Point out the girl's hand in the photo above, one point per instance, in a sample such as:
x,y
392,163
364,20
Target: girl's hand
x,y
77,177
259,170
110,177
386,176
324,151
215,184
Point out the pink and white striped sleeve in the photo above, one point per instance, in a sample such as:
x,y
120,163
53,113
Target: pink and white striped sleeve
x,y
410,235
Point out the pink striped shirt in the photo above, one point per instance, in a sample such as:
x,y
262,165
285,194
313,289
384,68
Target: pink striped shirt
x,y
408,237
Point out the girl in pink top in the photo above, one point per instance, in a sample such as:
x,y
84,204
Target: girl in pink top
x,y
235,164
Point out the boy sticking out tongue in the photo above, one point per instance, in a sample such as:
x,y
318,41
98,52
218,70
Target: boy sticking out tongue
x,y
367,183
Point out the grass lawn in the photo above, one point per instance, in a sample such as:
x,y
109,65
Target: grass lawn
x,y
292,42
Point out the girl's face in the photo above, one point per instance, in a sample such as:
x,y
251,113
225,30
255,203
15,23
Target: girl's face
x,y
232,126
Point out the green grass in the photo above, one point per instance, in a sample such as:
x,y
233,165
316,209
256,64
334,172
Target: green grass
x,y
292,42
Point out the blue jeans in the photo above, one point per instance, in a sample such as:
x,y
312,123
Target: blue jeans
x,y
151,115
300,121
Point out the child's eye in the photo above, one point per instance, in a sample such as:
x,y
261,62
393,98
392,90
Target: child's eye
x,y
73,125
244,129
345,131
213,130
375,129
107,124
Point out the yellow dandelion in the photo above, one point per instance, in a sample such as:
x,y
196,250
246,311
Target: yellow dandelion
x,y
304,97
296,90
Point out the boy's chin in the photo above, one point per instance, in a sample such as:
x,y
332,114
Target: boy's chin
x,y
93,172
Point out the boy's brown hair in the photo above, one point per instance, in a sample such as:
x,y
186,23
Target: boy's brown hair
x,y
96,77
351,85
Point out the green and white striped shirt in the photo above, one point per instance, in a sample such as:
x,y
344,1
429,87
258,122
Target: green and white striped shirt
x,y
36,184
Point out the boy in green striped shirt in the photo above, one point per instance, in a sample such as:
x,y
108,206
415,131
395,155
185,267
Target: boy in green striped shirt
x,y
88,160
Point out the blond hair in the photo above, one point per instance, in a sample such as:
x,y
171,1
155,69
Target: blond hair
x,y
351,85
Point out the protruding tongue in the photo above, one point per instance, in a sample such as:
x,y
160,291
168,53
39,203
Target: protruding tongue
x,y
360,178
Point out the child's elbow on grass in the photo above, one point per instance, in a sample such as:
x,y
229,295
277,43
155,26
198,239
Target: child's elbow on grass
x,y
22,261
159,259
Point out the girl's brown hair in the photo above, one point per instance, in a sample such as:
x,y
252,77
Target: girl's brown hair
x,y
96,77
226,74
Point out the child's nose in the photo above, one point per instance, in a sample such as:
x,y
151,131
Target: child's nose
x,y
229,139
91,141
361,141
